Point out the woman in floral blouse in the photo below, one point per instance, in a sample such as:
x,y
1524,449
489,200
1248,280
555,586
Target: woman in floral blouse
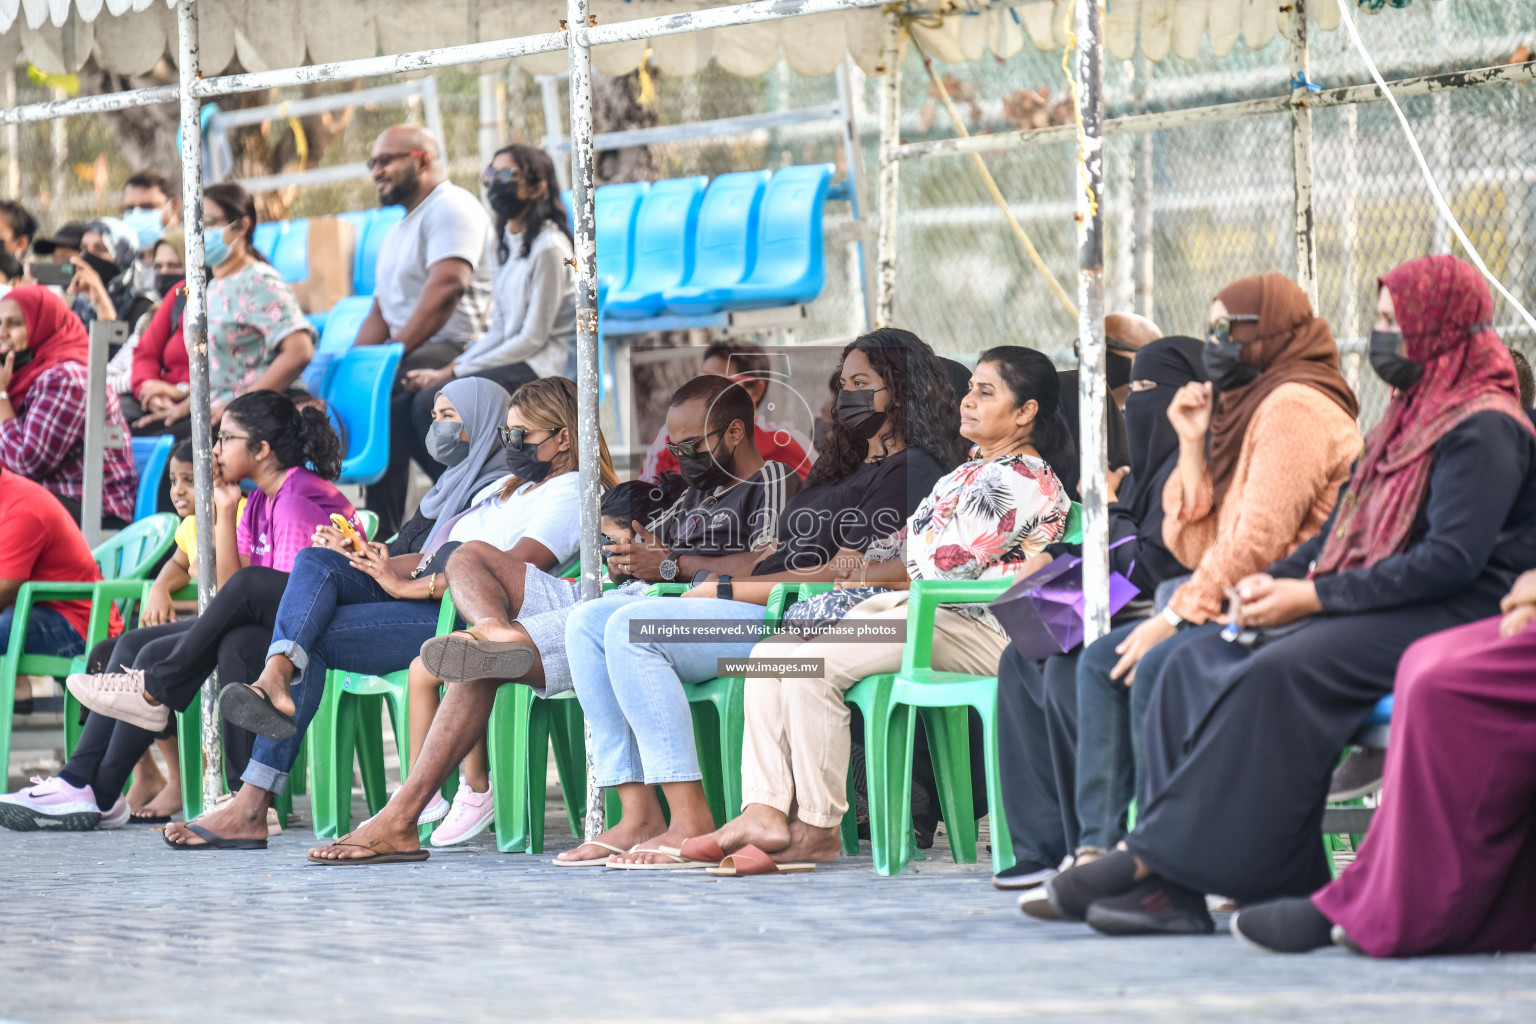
x,y
985,520
258,339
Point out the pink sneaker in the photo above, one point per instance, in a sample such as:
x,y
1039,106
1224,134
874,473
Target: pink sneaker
x,y
469,816
119,695
437,810
50,804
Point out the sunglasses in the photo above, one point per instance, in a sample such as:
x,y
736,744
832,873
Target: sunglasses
x,y
1221,328
501,175
515,437
691,447
385,159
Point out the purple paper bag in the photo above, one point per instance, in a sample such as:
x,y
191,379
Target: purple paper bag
x,y
1043,612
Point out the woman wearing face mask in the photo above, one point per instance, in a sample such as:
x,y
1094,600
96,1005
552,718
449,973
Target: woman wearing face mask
x,y
533,320
370,611
1242,736
1038,705
43,381
1282,435
168,269
107,284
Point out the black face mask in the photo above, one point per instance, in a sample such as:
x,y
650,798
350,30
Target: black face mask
x,y
22,359
855,411
1390,364
523,462
1117,370
164,283
506,202
706,471
1223,362
105,268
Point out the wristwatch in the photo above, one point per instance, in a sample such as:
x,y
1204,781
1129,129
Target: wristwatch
x,y
1172,618
5,396
723,588
669,567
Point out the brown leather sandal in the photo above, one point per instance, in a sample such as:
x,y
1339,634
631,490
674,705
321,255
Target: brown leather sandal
x,y
382,853
462,656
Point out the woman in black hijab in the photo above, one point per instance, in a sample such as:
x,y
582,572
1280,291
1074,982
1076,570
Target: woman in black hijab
x,y
1038,704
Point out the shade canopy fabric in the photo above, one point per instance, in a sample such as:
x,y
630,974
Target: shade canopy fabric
x,y
131,36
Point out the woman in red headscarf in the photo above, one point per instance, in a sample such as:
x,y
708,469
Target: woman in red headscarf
x,y
43,383
1431,530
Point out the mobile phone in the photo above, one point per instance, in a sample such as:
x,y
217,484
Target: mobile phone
x,y
57,275
352,537
1234,627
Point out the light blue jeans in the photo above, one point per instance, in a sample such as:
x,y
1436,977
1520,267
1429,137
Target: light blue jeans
x,y
631,691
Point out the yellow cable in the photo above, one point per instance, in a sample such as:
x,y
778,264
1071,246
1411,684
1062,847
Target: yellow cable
x,y
997,195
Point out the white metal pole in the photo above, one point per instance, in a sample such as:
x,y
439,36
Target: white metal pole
x,y
58,136
1141,198
195,331
850,91
1093,387
102,333
492,121
890,183
1301,152
588,434
12,139
554,127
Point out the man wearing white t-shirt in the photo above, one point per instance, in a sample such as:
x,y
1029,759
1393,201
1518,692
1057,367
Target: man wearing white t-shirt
x,y
432,288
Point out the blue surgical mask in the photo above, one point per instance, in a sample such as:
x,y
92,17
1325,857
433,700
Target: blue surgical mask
x,y
215,249
145,225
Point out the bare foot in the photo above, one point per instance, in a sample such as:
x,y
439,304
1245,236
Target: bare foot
x,y
166,804
501,633
809,843
759,825
625,834
148,781
387,827
244,817
672,838
273,682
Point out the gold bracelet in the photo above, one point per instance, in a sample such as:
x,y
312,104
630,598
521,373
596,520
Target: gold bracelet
x,y
863,572
432,586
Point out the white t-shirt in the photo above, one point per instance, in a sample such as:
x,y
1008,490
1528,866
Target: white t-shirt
x,y
549,514
449,224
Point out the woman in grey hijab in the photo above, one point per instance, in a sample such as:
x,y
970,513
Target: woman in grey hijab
x,y
462,437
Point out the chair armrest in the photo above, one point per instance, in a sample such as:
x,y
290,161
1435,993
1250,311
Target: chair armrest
x,y
923,602
667,589
785,594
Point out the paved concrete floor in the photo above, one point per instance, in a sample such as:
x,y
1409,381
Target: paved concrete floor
x,y
114,926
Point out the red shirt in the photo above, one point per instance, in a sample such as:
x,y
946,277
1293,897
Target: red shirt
x,y
40,542
161,353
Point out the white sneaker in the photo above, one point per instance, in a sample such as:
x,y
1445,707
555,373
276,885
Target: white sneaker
x,y
51,804
116,817
437,810
119,695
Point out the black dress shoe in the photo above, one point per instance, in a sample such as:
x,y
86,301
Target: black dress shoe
x,y
1075,888
1284,926
1155,907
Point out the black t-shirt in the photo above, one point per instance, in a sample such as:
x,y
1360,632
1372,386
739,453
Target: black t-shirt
x,y
872,502
727,522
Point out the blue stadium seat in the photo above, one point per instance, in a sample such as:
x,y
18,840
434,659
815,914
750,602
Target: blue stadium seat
x,y
368,241
663,247
727,229
356,389
150,457
617,206
267,235
1381,714
341,326
290,257
789,263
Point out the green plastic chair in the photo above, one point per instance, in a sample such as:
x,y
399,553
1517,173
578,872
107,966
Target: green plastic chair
x,y
189,746
942,699
124,560
518,739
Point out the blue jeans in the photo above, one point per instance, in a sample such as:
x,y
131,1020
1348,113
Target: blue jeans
x,y
48,632
632,691
334,615
1110,753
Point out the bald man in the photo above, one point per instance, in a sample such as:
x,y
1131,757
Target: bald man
x,y
432,290
1124,335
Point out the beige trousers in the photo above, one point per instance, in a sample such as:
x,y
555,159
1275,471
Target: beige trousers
x,y
795,751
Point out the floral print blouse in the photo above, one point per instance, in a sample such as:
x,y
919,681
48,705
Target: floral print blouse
x,y
250,312
984,520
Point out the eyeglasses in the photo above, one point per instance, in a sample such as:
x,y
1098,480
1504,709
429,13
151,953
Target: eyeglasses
x,y
1221,328
384,159
515,437
230,437
691,447
502,175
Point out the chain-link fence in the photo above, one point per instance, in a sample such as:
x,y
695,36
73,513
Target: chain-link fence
x,y
1220,195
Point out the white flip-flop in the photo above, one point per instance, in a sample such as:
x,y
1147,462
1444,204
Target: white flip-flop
x,y
592,862
675,861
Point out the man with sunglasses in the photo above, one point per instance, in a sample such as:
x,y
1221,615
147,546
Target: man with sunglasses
x,y
432,290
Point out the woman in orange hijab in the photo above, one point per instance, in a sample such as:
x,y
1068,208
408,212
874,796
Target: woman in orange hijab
x,y
43,384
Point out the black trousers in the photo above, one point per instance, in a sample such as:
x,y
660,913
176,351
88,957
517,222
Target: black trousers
x,y
387,497
248,602
1037,751
109,749
1241,744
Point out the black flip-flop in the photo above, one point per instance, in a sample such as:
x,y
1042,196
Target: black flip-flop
x,y
251,709
461,657
149,819
213,842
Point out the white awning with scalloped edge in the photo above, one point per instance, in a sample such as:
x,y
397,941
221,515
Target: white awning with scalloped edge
x,y
131,36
